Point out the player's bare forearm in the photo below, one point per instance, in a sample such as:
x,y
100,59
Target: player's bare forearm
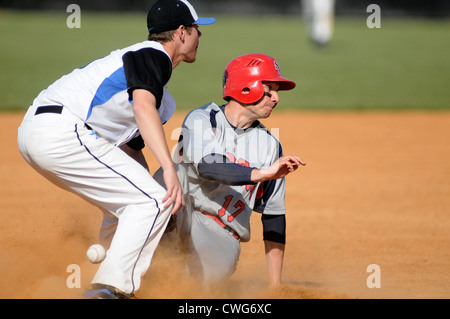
x,y
150,127
274,258
284,166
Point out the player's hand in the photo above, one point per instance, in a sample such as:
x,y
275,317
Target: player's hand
x,y
282,167
174,193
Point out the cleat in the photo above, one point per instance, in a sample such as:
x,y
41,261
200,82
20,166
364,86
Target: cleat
x,y
106,292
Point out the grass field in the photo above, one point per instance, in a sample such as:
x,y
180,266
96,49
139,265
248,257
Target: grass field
x,y
403,65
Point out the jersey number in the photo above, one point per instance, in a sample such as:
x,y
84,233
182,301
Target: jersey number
x,y
239,205
242,162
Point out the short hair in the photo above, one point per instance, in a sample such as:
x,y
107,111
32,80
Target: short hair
x,y
166,36
161,37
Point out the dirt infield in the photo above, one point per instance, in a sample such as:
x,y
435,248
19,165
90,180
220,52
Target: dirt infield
x,y
376,190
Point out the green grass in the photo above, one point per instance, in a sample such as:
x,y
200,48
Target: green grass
x,y
403,65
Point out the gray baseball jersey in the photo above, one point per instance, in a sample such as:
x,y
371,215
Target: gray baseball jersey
x,y
207,131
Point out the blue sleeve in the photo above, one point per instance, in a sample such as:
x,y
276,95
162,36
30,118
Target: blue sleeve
x,y
219,168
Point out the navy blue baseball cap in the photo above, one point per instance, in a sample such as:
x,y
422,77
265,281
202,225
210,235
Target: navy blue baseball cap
x,y
167,15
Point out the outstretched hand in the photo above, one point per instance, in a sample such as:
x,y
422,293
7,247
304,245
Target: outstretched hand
x,y
282,167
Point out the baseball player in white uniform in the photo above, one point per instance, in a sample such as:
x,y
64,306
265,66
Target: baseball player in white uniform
x,y
319,18
229,166
86,131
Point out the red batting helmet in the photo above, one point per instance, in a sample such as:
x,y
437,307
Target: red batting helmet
x,y
243,77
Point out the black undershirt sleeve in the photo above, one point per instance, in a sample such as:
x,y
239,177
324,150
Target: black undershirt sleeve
x,y
137,143
148,69
274,228
219,168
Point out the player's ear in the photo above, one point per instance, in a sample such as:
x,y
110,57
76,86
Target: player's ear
x,y
181,33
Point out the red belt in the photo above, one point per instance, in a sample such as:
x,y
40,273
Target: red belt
x,y
221,223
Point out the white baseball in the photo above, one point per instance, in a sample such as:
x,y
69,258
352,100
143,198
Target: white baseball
x,y
96,253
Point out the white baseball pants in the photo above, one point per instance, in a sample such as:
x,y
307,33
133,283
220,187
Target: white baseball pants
x,y
71,156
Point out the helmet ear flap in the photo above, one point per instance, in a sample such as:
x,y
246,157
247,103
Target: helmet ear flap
x,y
251,93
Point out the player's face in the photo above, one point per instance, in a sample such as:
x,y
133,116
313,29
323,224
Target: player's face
x,y
264,107
191,44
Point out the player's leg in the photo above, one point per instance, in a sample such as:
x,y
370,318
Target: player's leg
x,y
132,248
180,218
108,228
69,155
323,19
128,192
214,248
211,252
